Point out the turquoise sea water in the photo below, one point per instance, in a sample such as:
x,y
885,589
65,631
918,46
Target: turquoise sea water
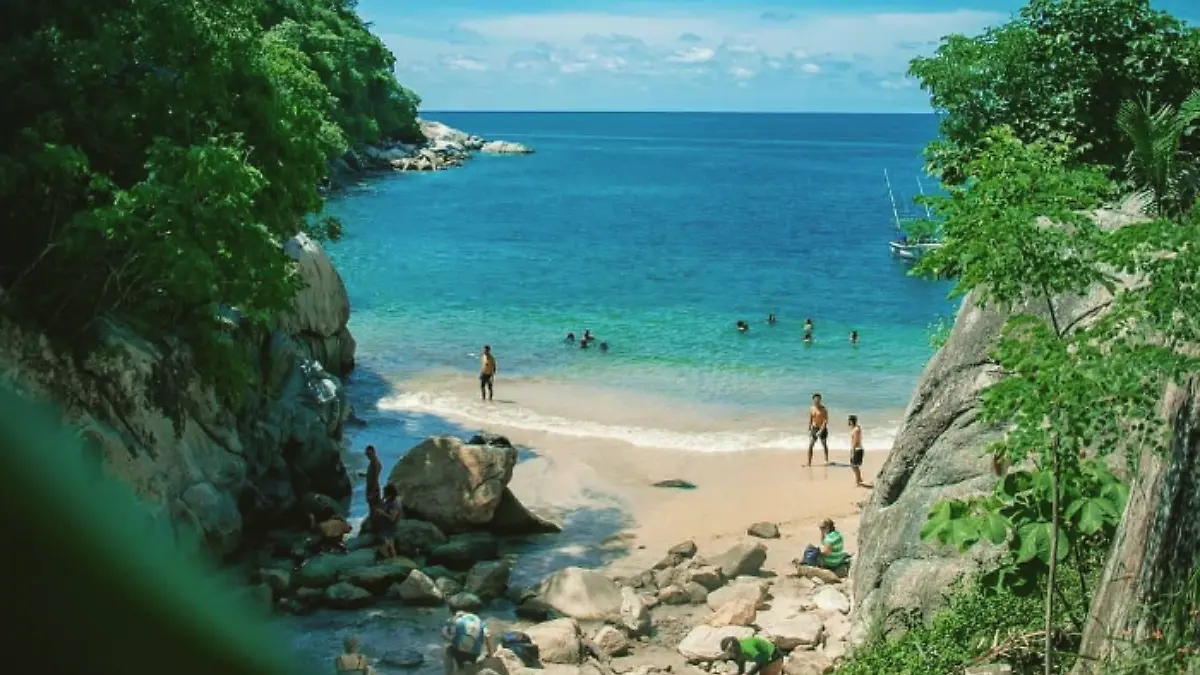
x,y
656,232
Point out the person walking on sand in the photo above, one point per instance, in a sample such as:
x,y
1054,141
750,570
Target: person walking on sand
x,y
818,428
487,373
856,450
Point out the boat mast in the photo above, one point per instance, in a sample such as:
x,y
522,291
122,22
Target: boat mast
x,y
895,211
928,213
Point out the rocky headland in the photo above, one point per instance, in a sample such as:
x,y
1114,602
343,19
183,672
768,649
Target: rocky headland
x,y
444,147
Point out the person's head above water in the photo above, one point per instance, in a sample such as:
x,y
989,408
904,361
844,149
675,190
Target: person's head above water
x,y
570,336
854,336
350,644
603,346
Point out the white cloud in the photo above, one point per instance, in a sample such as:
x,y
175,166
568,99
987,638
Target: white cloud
x,y
741,73
693,55
460,62
810,68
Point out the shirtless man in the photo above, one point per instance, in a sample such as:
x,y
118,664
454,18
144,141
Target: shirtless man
x,y
818,428
856,450
487,373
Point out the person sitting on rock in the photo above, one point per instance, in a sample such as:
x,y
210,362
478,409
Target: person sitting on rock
x,y
351,661
386,517
753,655
467,640
829,554
333,531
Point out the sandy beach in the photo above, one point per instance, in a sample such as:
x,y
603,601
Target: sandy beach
x,y
569,471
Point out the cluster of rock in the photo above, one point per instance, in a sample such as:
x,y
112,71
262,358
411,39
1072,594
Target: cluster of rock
x,y
444,148
206,469
460,510
672,618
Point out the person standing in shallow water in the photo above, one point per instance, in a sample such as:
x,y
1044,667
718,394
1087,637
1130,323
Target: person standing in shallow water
x,y
808,330
487,373
818,428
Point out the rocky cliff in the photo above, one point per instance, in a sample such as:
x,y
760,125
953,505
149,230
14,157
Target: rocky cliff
x,y
940,452
1158,542
199,465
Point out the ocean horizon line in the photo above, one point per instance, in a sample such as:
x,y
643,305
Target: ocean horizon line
x,y
755,113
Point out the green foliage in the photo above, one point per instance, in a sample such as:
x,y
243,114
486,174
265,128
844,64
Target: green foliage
x,y
993,239
977,619
1156,162
939,332
154,156
1057,71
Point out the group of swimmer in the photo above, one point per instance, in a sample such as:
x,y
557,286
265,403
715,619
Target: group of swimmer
x,y
586,341
743,327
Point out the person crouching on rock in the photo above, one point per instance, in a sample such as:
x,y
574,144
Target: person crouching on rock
x,y
467,639
386,516
829,554
753,655
333,531
351,661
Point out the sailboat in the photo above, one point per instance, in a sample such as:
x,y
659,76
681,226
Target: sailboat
x,y
905,248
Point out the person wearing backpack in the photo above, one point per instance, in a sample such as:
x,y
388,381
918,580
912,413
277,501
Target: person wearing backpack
x,y
467,639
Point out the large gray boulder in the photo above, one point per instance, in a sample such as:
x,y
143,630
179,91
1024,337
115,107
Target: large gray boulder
x,y
582,594
451,484
940,453
321,309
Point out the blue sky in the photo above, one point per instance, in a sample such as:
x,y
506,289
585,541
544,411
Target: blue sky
x,y
798,55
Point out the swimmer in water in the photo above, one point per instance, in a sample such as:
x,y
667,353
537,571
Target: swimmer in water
x,y
743,326
808,330
587,335
603,346
853,337
570,338
583,344
771,319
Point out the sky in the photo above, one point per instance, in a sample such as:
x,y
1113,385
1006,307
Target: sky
x,y
710,55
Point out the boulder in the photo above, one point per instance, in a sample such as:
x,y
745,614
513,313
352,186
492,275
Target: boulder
x,y
489,579
696,593
739,611
279,580
512,518
939,453
635,617
464,602
378,578
505,148
321,308
345,595
815,573
801,630
417,589
558,641
837,627
708,576
448,586
749,590
703,643
582,594
611,642
462,551
454,485
764,530
831,599
673,595
742,559
417,537
807,663
512,663
533,609
485,438
325,569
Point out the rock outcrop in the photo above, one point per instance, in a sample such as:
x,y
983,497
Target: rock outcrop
x,y
461,487
203,466
940,453
445,147
1158,542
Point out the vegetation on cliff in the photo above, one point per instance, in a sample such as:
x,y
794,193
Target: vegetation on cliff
x,y
1068,107
154,155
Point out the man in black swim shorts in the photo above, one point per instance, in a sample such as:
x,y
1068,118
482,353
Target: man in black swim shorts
x,y
856,450
818,428
487,373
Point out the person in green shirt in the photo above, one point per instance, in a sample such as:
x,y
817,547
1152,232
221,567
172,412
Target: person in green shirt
x,y
753,655
830,554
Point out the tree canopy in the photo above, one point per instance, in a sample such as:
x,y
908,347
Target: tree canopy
x,y
1058,71
154,155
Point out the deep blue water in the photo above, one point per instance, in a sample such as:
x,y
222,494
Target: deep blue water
x,y
656,232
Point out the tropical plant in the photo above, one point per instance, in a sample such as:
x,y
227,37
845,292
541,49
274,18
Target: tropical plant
x,y
1070,393
1057,71
1157,162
